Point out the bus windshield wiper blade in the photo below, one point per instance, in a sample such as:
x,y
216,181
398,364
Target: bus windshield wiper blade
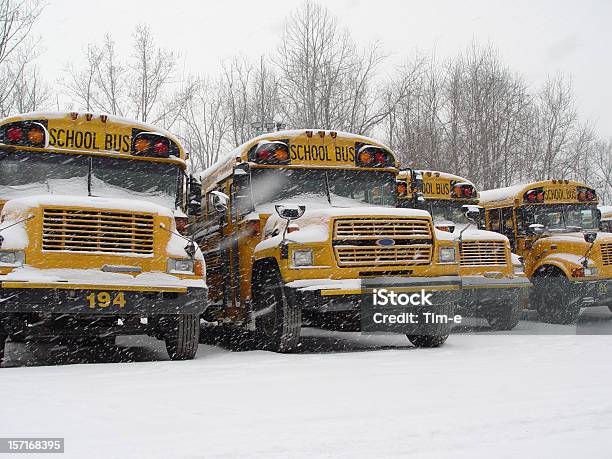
x,y
327,190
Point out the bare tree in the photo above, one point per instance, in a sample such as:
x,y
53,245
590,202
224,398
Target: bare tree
x,y
324,81
17,50
602,164
16,21
204,124
81,84
554,124
152,69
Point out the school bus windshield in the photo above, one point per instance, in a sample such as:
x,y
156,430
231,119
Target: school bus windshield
x,y
25,173
561,216
346,187
447,212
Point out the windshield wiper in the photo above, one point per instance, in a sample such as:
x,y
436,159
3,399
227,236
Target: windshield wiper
x,y
327,190
89,173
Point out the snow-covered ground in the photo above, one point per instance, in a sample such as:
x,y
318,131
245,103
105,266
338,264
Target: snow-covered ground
x,y
348,395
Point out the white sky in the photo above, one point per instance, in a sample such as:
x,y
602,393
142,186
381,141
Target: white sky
x,y
536,38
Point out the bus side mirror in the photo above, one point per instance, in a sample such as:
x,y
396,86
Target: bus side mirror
x,y
535,229
220,201
290,211
419,198
590,237
472,213
194,208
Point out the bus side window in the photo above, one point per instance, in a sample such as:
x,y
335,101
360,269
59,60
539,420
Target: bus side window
x,y
494,222
508,224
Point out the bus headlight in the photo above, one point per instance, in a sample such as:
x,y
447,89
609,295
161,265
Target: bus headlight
x,y
180,266
447,254
302,257
13,257
591,271
518,269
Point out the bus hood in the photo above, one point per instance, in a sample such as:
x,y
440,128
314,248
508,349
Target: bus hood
x,y
475,234
22,205
314,224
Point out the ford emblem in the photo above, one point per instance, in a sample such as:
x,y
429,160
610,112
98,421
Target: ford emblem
x,y
385,242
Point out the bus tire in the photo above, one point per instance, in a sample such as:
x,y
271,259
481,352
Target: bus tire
x,y
504,317
427,340
279,329
182,336
554,302
610,307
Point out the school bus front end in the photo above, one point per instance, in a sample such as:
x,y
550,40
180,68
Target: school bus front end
x,y
554,225
85,267
494,285
320,262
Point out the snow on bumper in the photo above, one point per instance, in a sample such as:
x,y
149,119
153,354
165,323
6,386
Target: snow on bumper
x,y
85,291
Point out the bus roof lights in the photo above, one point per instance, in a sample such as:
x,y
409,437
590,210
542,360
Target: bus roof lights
x,y
321,134
36,136
25,133
586,194
534,196
275,152
152,145
74,115
373,156
14,134
161,147
141,145
88,116
365,157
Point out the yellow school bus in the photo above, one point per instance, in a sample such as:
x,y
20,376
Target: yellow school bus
x,y
553,225
605,223
90,246
272,263
494,282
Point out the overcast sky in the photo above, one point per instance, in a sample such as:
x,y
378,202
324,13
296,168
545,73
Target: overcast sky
x,y
536,38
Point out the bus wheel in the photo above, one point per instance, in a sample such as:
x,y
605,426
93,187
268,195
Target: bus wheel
x,y
280,320
182,335
427,340
554,301
504,317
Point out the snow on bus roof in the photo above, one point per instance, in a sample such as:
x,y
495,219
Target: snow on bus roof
x,y
236,152
446,175
501,194
511,192
114,119
111,118
25,203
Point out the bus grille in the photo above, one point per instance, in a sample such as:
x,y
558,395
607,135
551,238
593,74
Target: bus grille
x,y
97,231
606,253
483,253
365,228
357,242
